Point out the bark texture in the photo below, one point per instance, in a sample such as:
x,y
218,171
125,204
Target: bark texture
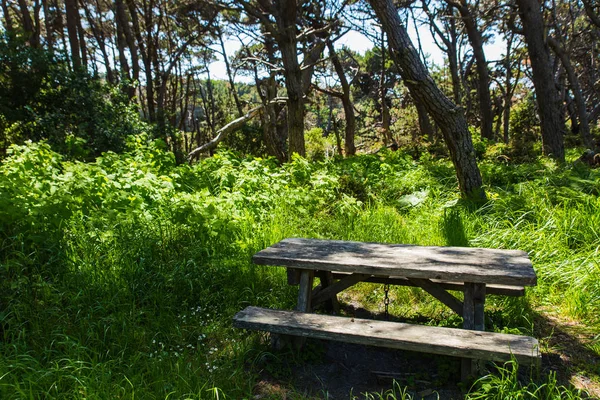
x,y
349,147
483,82
447,116
72,23
543,79
584,128
285,16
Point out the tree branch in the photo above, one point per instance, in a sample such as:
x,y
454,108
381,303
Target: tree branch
x,y
224,131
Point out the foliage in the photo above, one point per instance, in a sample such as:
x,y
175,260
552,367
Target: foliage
x,y
524,126
506,385
40,99
122,275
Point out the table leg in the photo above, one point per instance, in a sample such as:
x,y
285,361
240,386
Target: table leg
x,y
304,297
305,290
293,276
332,305
305,281
473,318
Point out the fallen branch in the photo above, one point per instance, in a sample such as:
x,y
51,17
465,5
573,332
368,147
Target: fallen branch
x,y
224,131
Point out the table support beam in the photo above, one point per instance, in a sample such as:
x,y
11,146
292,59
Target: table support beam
x,y
439,293
326,278
342,284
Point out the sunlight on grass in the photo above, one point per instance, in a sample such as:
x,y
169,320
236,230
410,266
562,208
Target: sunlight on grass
x,y
122,276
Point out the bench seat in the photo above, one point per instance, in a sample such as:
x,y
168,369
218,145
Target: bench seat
x,y
429,339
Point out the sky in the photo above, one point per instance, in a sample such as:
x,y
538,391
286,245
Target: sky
x,y
360,43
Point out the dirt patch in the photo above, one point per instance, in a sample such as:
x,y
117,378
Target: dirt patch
x,y
564,344
336,370
347,370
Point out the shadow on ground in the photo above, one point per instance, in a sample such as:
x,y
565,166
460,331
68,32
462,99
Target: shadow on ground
x,y
564,351
336,370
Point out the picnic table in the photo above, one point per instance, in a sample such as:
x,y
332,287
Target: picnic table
x,y
341,264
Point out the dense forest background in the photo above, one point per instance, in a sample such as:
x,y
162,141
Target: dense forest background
x,y
84,76
135,187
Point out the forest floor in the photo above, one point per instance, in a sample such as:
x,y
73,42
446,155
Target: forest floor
x,y
565,350
336,370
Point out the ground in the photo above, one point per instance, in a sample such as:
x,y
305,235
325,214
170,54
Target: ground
x,y
335,370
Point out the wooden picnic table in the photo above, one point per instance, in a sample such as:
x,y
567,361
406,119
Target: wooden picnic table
x,y
342,264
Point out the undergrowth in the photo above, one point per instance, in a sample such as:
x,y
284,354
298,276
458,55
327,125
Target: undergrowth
x,y
119,278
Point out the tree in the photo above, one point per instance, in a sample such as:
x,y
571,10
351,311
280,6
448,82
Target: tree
x,y
467,14
447,116
543,78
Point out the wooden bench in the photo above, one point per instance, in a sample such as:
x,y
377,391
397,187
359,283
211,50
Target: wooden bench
x,y
341,264
428,339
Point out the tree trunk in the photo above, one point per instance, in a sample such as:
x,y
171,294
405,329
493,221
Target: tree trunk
x,y
423,89
120,22
287,11
71,13
8,21
584,128
28,27
424,122
385,112
273,119
483,82
145,52
508,92
232,88
82,41
543,79
450,46
48,25
123,23
224,131
100,36
349,147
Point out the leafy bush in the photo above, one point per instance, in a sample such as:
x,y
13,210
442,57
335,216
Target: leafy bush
x,y
524,128
40,99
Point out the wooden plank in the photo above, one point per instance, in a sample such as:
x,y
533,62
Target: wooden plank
x,y
469,307
479,291
429,339
342,284
293,276
304,304
502,290
305,291
326,280
440,294
454,264
468,367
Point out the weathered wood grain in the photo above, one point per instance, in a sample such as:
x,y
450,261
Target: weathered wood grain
x,y
503,290
305,291
439,293
293,276
326,278
429,339
490,266
342,284
479,292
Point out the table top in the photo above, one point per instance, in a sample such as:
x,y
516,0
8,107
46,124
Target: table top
x,y
456,264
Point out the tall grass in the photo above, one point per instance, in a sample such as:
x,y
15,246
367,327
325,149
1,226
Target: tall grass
x,y
119,278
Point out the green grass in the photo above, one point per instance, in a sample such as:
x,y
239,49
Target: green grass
x,y
118,279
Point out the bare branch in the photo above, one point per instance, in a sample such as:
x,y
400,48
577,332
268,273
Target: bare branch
x,y
224,131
